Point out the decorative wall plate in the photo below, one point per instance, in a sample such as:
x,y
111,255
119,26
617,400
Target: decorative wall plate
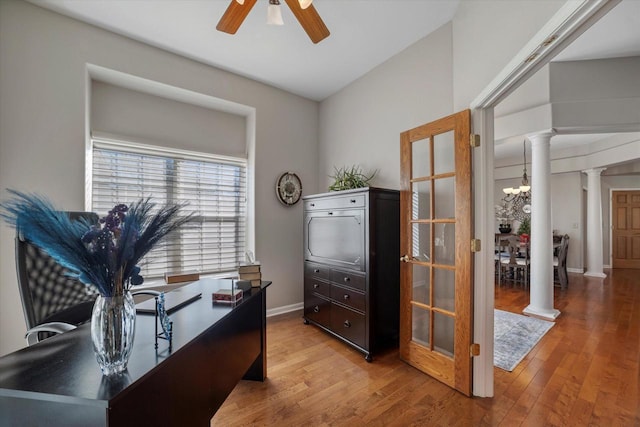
x,y
289,188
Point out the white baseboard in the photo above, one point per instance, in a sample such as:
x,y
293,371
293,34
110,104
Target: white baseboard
x,y
575,270
284,309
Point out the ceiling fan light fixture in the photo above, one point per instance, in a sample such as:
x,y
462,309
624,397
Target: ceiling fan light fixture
x,y
303,3
274,13
240,1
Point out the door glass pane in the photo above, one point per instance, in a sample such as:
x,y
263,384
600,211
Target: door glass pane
x,y
443,328
421,200
444,282
443,153
420,325
420,158
444,247
445,203
420,235
421,284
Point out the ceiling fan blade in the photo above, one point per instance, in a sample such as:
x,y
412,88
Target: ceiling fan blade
x,y
234,16
310,21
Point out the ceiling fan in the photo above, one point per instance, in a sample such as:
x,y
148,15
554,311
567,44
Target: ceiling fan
x,y
303,10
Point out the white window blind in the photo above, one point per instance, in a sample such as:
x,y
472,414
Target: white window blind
x,y
212,186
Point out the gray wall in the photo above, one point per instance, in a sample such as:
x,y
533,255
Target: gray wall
x,y
42,127
141,117
361,124
487,35
596,93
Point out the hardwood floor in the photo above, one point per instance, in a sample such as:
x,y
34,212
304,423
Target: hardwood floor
x,y
584,371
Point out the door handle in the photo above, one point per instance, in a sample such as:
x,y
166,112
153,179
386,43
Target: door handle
x,y
405,258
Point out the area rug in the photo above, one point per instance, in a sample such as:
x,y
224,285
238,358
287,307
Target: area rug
x,y
514,337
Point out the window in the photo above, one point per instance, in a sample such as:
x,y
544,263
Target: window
x,y
213,186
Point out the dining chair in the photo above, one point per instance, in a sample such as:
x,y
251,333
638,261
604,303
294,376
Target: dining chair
x,y
515,265
560,263
501,254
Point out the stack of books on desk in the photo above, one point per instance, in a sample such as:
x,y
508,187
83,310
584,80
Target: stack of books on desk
x,y
251,273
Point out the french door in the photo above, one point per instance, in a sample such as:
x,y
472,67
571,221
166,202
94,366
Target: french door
x,y
435,240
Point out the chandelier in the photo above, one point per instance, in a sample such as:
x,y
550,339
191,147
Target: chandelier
x,y
519,198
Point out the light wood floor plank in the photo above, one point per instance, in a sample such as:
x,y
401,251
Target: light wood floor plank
x,y
584,371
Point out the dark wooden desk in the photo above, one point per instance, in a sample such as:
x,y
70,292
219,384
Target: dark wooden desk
x,y
57,382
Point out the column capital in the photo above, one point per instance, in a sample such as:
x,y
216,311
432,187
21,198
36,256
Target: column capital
x,y
542,135
594,171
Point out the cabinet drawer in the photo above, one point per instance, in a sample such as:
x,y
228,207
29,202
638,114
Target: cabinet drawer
x,y
348,297
351,279
349,324
317,309
314,285
318,271
355,200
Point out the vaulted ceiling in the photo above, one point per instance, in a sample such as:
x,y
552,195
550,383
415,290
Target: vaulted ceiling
x,y
364,34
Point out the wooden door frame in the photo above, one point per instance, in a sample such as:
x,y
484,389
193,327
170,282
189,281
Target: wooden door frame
x,y
571,20
611,190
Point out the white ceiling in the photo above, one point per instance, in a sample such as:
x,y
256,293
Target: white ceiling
x,y
364,33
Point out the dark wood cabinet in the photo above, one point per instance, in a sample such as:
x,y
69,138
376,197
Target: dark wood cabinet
x,y
352,266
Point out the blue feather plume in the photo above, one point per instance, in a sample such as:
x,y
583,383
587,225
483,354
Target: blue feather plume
x,y
107,255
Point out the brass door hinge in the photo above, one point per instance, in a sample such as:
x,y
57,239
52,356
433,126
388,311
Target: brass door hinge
x,y
474,350
474,140
475,245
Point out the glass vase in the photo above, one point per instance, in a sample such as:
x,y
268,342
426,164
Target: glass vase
x,y
113,325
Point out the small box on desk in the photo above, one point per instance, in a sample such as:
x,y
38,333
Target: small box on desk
x,y
227,296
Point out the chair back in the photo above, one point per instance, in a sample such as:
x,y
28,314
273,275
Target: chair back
x,y
512,247
563,250
47,293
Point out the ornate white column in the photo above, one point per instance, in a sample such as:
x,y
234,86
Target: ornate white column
x,y
594,223
541,284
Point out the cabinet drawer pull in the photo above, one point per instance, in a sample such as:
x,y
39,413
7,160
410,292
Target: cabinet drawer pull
x,y
316,286
317,270
316,309
352,200
346,297
329,213
313,204
347,324
347,279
